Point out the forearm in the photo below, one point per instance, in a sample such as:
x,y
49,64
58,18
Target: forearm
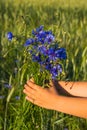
x,y
74,88
71,105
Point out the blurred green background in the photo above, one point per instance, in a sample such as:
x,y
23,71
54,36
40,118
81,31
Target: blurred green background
x,y
68,21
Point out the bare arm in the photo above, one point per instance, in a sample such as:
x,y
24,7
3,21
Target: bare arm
x,y
74,88
47,98
72,105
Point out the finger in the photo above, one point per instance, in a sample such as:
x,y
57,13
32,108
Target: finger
x,y
29,94
32,80
33,101
33,86
29,99
29,89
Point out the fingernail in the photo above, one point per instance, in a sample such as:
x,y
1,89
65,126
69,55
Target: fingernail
x,y
25,86
24,90
32,79
26,98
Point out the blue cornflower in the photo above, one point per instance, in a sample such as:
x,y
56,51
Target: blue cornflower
x,y
61,53
9,36
48,32
36,58
41,34
43,50
52,57
29,41
6,85
2,96
35,32
39,29
40,40
51,54
56,70
48,66
49,38
17,97
59,67
40,37
51,51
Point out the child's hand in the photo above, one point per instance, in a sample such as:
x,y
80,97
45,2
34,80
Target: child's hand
x,y
43,97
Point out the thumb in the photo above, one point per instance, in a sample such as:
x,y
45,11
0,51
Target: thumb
x,y
32,80
51,84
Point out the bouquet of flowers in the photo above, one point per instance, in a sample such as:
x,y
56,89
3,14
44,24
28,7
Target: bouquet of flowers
x,y
45,51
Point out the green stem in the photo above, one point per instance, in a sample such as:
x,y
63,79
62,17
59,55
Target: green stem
x,y
5,121
8,99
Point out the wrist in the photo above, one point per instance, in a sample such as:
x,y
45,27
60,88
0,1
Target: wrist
x,y
59,102
62,103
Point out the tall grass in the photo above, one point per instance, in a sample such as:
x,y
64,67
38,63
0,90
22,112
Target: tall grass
x,y
68,21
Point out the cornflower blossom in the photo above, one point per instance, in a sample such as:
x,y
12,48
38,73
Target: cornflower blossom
x,y
61,53
17,97
44,50
29,41
6,85
2,96
9,36
49,38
